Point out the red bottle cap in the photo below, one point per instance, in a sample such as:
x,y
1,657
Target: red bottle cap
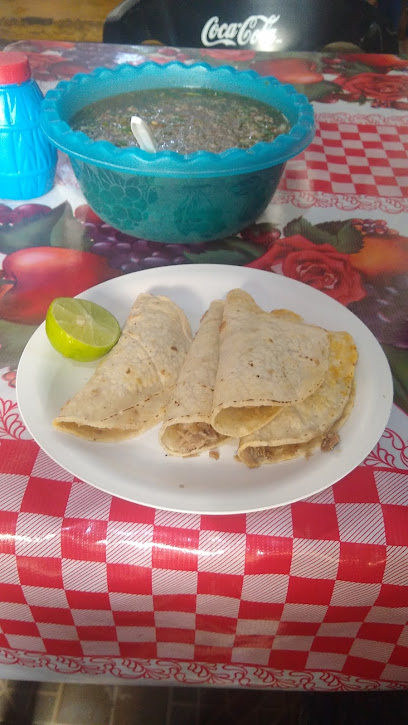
x,y
14,68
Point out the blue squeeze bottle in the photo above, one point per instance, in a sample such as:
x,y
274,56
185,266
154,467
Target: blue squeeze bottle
x,y
27,159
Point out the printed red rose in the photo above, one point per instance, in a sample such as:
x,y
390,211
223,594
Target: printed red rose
x,y
320,266
327,271
373,85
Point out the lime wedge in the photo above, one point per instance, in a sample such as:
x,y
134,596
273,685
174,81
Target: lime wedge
x,y
79,329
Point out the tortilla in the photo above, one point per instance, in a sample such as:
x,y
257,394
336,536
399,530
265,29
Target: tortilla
x,y
131,386
299,429
187,428
266,360
326,441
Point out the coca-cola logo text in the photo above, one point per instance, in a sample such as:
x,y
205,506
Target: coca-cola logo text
x,y
256,30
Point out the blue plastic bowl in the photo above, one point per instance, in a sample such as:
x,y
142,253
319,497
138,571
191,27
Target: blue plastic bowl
x,y
167,196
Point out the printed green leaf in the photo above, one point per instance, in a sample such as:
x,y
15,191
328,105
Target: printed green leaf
x,y
13,339
354,68
33,232
398,360
231,250
309,231
218,256
317,91
69,232
343,236
248,248
348,239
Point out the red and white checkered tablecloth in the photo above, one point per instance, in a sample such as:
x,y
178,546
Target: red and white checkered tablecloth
x,y
312,595
320,585
355,156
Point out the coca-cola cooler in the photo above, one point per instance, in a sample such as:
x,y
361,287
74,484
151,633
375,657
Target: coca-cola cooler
x,y
260,25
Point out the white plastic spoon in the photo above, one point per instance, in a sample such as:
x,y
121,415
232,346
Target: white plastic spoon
x,y
142,134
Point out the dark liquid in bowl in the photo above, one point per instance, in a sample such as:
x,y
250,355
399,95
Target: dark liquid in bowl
x,y
183,119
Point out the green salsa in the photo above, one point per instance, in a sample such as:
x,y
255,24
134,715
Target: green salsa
x,y
183,119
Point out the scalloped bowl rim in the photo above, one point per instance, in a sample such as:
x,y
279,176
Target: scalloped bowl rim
x,y
169,163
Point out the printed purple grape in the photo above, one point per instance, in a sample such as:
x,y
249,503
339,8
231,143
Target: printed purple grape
x,y
131,267
26,211
174,248
102,248
156,262
130,254
6,214
108,231
117,260
122,247
385,316
122,237
141,246
92,230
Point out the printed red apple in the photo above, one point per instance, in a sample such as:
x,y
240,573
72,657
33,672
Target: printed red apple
x,y
33,277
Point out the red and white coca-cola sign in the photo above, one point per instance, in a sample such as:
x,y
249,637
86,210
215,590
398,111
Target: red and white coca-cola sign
x,y
257,30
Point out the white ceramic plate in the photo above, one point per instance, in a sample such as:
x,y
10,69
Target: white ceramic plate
x,y
138,470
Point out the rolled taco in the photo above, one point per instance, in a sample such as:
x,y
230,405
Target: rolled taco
x,y
187,428
266,360
131,386
299,429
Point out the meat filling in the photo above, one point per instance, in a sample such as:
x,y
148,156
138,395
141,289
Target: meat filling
x,y
256,456
330,441
194,436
